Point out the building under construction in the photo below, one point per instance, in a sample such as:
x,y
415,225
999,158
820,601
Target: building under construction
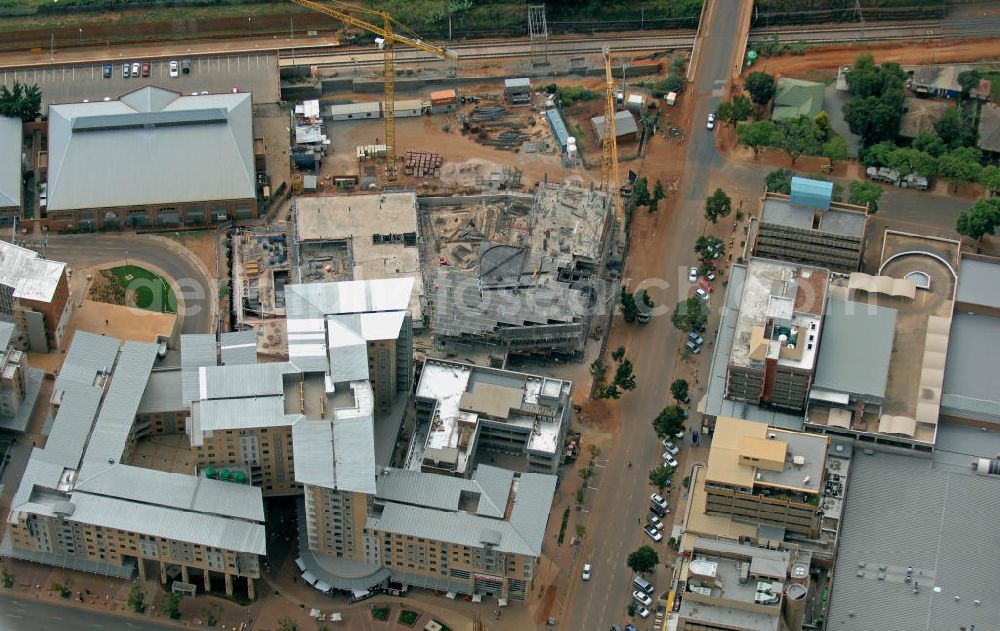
x,y
523,273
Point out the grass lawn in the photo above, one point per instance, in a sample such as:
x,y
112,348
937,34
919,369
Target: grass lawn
x,y
151,291
380,613
408,617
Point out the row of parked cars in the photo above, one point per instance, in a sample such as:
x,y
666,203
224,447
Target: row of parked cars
x,y
142,68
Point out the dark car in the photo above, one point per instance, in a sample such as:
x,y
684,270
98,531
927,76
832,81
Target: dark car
x,y
660,512
107,71
185,66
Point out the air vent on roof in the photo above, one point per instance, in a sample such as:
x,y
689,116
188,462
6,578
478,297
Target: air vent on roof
x,y
772,435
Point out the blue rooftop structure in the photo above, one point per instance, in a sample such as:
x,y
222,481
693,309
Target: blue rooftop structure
x,y
811,193
558,127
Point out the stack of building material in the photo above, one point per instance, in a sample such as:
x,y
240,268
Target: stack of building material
x,y
422,164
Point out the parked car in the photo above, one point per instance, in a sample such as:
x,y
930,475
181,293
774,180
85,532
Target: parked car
x,y
671,448
145,68
710,275
186,66
653,533
642,598
704,295
704,284
642,612
656,500
107,71
136,69
658,525
693,348
653,519
669,461
586,571
126,70
693,274
658,510
173,69
711,121
631,627
694,337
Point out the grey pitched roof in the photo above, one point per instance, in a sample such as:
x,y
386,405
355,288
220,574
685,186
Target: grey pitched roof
x,y
969,389
31,276
624,124
532,506
242,380
10,161
856,348
442,492
979,282
337,454
906,512
121,402
316,300
197,350
239,347
225,414
163,393
88,355
989,128
177,490
71,427
152,146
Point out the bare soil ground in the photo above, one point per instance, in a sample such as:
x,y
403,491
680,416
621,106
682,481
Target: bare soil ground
x,y
202,244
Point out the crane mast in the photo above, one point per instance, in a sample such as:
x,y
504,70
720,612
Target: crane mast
x,y
609,145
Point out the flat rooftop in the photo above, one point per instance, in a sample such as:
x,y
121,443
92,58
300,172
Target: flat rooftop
x,y
787,460
31,276
780,211
780,314
926,514
970,376
979,282
856,348
381,232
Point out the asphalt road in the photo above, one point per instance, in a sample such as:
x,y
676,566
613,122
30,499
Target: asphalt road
x,y
18,614
623,496
189,281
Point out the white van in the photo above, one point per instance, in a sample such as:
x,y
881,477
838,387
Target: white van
x,y
642,584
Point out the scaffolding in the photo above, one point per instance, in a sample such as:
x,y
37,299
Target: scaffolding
x,y
538,31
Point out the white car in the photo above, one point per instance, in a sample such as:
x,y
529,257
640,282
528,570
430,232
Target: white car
x,y
711,121
125,70
586,571
669,461
174,73
653,533
671,448
642,598
642,612
657,524
693,275
136,68
704,295
655,498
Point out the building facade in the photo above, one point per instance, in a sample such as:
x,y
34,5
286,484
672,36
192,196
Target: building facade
x,y
34,295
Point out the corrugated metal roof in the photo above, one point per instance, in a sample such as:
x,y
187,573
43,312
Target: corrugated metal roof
x,y
910,512
857,348
223,414
6,333
239,347
88,355
979,283
443,492
624,124
520,82
356,108
316,300
163,393
124,167
40,472
169,523
558,126
177,490
197,350
794,98
242,380
72,425
337,454
811,193
969,373
32,277
532,506
10,161
121,402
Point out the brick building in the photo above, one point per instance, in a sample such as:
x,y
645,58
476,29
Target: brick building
x,y
11,169
34,294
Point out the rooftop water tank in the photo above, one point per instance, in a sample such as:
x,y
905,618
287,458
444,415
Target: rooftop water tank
x,y
224,474
239,477
210,472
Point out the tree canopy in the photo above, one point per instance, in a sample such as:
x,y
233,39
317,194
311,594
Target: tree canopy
x,y
862,193
21,101
797,136
735,110
643,560
960,165
661,477
669,421
835,150
690,314
979,220
630,310
756,135
718,205
679,389
760,85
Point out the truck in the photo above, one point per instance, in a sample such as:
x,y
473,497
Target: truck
x,y
913,180
645,311
883,174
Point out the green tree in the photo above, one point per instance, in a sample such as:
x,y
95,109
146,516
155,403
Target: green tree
x,y
906,160
137,599
951,128
756,135
930,143
877,155
709,247
610,391
618,354
862,193
718,205
969,80
286,624
960,165
640,193
989,177
674,83
646,300
669,421
797,136
171,608
629,309
690,314
874,119
735,110
863,78
979,220
7,577
760,85
581,530
658,192
779,181
21,101
643,560
835,150
660,477
624,377
679,389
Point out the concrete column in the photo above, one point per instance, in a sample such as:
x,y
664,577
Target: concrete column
x,y
163,572
142,568
229,584
184,574
251,590
208,580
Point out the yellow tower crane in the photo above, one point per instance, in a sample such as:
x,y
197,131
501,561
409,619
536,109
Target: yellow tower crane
x,y
609,145
390,33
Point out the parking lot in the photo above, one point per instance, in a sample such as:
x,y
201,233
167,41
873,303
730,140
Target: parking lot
x,y
253,72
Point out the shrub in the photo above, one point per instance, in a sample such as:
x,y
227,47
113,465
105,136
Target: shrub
x,y
380,613
408,617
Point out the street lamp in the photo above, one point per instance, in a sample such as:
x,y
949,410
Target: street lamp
x,y
249,23
81,36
